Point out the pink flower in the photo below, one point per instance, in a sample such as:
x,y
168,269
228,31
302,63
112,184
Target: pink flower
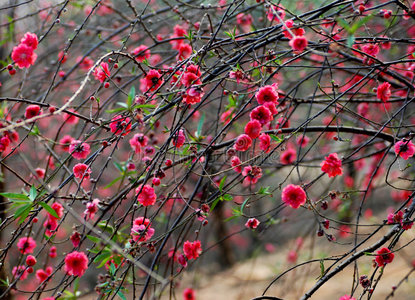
x,y
253,129
141,53
65,142
292,257
142,230
267,94
288,156
252,223
293,195
235,163
120,125
81,171
58,208
23,56
179,139
153,80
91,209
75,239
76,263
264,142
384,92
405,149
42,275
26,245
252,174
102,72
79,150
20,270
30,40
243,142
70,118
192,250
303,141
32,111
185,50
146,195
262,114
189,294
384,256
298,43
332,165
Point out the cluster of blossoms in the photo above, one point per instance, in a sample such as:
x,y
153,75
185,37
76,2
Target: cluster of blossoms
x,y
24,54
142,230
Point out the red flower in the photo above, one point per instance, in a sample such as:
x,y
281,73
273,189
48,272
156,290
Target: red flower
x,y
264,142
23,56
288,156
141,53
298,43
85,63
262,114
76,263
102,72
30,40
79,150
58,208
153,80
189,294
193,95
26,245
31,260
293,195
384,92
141,230
273,10
384,256
190,78
252,174
405,149
332,165
267,94
192,250
32,111
185,50
137,141
252,223
347,297
70,118
65,142
120,125
179,139
42,275
91,209
303,141
81,171
243,142
253,129
235,163
146,195
75,239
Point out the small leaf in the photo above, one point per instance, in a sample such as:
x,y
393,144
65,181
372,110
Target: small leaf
x,y
32,193
200,126
49,209
227,197
22,212
13,196
121,295
215,203
93,239
131,96
222,183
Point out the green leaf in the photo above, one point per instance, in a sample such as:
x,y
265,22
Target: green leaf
x,y
350,41
212,207
32,193
49,209
227,197
13,196
222,183
93,239
276,138
321,268
121,295
244,204
200,126
264,191
131,96
22,212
